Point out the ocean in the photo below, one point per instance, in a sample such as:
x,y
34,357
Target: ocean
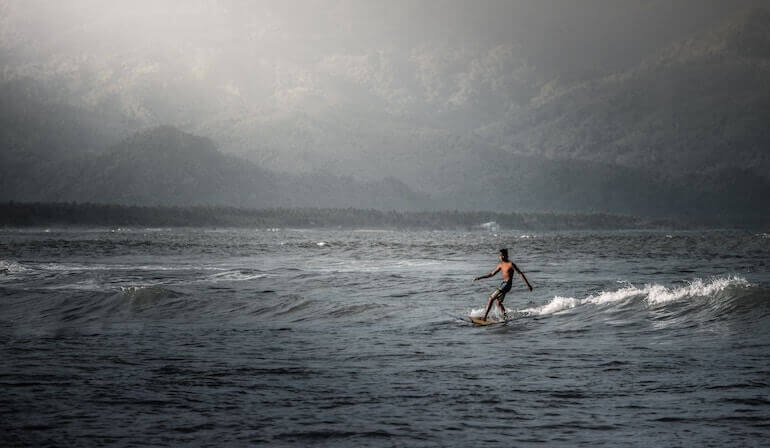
x,y
351,338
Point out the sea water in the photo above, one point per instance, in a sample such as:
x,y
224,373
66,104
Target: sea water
x,y
280,337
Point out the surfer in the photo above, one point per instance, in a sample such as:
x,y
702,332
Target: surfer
x,y
508,268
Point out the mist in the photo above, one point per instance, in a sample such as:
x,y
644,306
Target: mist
x,y
651,108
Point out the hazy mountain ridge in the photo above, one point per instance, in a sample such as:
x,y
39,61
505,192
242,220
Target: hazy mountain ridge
x,y
164,166
700,104
39,134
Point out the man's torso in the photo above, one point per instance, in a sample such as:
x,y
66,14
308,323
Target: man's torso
x,y
506,267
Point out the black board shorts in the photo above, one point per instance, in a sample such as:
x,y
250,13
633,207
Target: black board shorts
x,y
502,290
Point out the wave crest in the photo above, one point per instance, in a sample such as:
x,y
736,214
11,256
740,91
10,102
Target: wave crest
x,y
651,294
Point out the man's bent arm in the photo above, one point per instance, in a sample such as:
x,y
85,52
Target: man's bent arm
x,y
497,269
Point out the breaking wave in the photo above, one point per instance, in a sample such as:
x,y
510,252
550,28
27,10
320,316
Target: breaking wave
x,y
652,295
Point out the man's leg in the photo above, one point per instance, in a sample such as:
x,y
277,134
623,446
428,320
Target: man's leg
x,y
491,300
500,306
500,297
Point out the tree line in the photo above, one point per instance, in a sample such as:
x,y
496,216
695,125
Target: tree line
x,y
15,214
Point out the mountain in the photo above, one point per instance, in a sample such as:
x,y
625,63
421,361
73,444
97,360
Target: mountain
x,y
40,131
165,166
501,181
701,104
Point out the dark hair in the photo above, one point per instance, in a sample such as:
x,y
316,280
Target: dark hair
x,y
504,253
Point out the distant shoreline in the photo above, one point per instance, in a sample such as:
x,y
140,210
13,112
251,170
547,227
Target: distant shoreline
x,y
16,214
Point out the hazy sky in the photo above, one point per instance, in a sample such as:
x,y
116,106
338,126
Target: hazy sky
x,y
555,34
312,54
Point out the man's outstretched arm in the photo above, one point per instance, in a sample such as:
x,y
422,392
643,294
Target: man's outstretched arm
x,y
523,277
497,269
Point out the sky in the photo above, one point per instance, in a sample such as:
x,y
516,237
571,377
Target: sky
x,y
555,34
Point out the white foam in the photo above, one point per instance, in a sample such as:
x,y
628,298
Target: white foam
x,y
653,294
396,266
697,288
74,267
84,285
11,267
556,305
613,296
494,313
235,276
491,225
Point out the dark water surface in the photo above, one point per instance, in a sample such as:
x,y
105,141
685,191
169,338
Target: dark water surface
x,y
164,337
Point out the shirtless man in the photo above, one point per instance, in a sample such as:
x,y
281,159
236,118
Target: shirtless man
x,y
508,269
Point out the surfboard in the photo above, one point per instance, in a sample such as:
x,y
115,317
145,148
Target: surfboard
x,y
480,321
